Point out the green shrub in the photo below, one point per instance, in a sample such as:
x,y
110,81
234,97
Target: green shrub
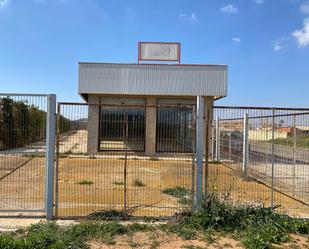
x,y
259,227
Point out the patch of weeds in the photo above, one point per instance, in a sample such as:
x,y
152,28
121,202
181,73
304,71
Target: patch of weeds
x,y
50,235
108,215
209,238
138,183
183,195
85,182
177,192
154,242
154,159
258,227
133,244
104,232
227,245
42,235
118,183
185,232
138,227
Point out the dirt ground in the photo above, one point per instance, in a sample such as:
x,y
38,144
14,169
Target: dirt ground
x,y
163,241
21,184
87,185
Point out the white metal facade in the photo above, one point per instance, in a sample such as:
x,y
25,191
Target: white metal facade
x,y
152,79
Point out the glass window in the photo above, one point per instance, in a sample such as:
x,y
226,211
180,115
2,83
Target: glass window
x,y
174,129
121,124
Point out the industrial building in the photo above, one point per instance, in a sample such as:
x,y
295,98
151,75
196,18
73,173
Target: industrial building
x,y
143,96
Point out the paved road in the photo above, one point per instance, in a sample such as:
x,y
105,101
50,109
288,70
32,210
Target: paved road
x,y
281,151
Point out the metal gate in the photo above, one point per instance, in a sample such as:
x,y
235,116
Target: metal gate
x,y
107,162
24,121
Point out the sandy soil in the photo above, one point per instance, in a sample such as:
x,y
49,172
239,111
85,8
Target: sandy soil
x,y
163,241
22,189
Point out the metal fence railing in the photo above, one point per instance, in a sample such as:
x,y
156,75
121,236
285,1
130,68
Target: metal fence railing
x,y
142,160
135,160
266,156
23,124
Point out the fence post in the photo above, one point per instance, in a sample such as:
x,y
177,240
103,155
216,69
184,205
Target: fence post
x,y
50,153
200,133
245,160
125,133
218,139
193,156
213,139
294,153
272,157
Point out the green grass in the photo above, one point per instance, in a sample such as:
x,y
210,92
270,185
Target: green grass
x,y
255,227
85,182
50,235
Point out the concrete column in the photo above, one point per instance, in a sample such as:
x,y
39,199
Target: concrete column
x,y
208,114
93,124
151,121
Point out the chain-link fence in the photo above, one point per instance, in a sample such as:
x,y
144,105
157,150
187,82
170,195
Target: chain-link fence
x,y
264,157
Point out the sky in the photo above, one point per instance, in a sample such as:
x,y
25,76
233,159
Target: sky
x,y
265,43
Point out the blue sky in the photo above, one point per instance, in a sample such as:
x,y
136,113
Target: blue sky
x,y
264,42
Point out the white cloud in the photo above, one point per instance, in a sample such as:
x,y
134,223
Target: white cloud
x,y
3,3
259,1
188,17
277,45
281,44
302,36
229,9
304,7
236,40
